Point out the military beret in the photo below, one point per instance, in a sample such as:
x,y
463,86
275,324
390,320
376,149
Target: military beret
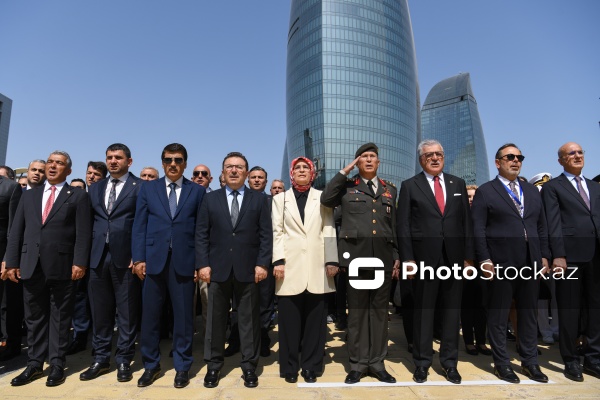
x,y
366,147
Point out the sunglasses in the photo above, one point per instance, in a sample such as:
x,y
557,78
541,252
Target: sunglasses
x,y
511,157
169,160
197,174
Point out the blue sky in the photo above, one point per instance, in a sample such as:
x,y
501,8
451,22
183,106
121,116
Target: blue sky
x,y
211,75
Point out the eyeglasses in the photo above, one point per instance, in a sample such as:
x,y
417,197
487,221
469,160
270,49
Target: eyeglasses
x,y
169,160
511,157
198,173
429,156
229,167
575,153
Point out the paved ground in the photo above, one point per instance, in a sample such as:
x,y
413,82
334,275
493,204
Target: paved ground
x,y
478,381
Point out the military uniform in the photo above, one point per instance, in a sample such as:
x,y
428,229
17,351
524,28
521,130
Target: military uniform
x,y
367,229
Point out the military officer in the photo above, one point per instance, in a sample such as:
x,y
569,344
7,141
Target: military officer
x,y
368,226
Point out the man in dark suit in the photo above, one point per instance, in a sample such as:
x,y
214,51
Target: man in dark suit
x,y
49,249
511,241
10,194
434,227
234,243
368,229
112,286
572,206
162,249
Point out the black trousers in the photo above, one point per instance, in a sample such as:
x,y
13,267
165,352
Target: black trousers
x,y
408,308
114,289
48,311
500,295
427,292
13,296
302,322
219,300
583,285
368,324
472,313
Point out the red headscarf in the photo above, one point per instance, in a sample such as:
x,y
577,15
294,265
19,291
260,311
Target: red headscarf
x,y
302,188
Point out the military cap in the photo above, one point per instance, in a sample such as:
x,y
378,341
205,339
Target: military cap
x,y
366,147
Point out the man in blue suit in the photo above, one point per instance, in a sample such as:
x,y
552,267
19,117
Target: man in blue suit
x,y
234,243
112,287
163,255
511,236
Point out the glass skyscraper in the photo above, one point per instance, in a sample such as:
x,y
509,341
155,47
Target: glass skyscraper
x,y
351,79
450,116
5,110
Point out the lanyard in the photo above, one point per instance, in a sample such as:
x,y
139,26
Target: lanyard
x,y
515,198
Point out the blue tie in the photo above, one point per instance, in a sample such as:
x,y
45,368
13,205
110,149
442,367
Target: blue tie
x,y
172,199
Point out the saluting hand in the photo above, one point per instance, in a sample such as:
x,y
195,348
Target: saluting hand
x,y
348,168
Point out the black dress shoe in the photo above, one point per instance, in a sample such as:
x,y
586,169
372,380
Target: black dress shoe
x,y
309,376
471,350
291,377
383,376
231,350
211,380
124,372
10,352
573,371
452,375
592,369
30,374
506,373
354,377
56,377
484,350
250,378
148,377
94,371
77,345
420,374
510,337
534,373
182,379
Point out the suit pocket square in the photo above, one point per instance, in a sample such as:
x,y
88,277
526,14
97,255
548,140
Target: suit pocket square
x,y
458,194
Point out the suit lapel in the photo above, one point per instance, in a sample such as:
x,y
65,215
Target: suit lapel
x,y
313,203
186,189
248,197
566,183
103,183
161,192
38,200
593,190
501,189
450,190
291,206
224,204
64,194
129,185
423,184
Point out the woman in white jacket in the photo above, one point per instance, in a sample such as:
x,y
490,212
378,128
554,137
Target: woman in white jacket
x,y
306,260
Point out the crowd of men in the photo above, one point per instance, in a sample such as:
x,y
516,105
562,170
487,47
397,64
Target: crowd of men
x,y
135,252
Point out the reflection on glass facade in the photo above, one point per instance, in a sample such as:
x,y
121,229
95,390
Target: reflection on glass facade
x,y
450,116
5,109
352,79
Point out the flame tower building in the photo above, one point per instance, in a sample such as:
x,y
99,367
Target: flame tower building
x,y
352,79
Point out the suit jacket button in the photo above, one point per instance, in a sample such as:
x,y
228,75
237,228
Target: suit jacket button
x,y
374,221
374,210
230,249
374,232
374,201
233,234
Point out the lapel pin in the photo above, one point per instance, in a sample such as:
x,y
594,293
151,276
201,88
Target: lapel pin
x,y
450,181
134,183
68,192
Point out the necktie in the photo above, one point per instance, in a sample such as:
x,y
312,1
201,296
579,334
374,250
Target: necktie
x,y
172,199
439,193
582,192
49,204
112,196
235,208
370,185
513,188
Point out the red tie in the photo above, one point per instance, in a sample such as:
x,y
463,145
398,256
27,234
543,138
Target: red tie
x,y
439,193
49,204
